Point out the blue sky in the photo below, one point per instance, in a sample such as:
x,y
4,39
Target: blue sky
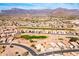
x,y
4,6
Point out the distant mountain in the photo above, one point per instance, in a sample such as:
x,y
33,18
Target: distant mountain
x,y
55,12
24,11
65,12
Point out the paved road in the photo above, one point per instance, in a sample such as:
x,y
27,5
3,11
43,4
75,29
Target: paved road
x,y
43,54
58,52
25,47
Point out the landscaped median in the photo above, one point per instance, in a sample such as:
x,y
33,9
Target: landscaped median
x,y
44,28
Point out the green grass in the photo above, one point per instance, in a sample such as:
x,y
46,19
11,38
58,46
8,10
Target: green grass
x,y
28,37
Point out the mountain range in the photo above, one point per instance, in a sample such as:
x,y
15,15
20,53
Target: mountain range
x,y
55,12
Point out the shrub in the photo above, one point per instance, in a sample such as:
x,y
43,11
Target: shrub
x,y
60,38
73,39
